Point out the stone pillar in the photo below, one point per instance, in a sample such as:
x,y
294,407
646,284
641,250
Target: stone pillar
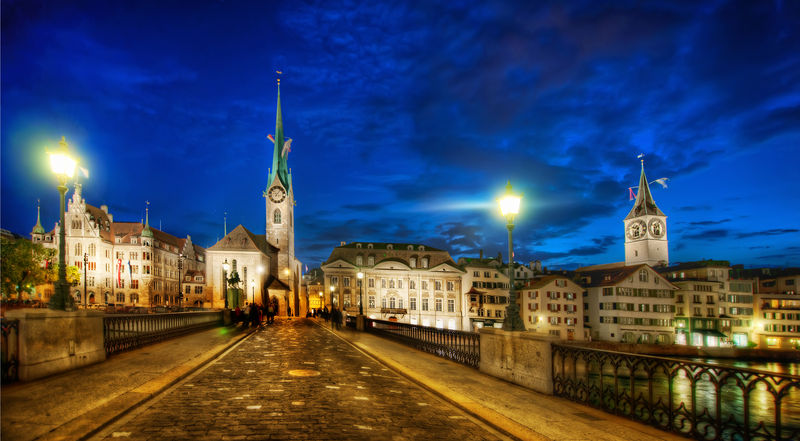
x,y
56,341
522,358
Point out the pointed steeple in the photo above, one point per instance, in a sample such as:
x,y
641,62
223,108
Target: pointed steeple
x,y
147,232
38,229
644,203
279,165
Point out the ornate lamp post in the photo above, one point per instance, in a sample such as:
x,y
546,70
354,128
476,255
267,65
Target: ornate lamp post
x,y
253,285
180,279
509,207
225,268
360,276
64,167
85,292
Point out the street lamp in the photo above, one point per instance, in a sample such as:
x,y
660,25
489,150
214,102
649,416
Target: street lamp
x,y
333,288
509,207
225,268
85,264
360,276
64,167
253,285
180,279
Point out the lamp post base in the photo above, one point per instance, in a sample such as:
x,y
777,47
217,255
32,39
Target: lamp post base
x,y
61,300
513,322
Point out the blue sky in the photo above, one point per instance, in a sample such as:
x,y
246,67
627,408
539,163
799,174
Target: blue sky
x,y
409,117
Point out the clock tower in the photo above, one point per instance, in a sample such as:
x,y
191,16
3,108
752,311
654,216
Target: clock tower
x,y
279,196
646,229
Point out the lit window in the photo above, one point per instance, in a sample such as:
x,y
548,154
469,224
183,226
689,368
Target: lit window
x,y
276,216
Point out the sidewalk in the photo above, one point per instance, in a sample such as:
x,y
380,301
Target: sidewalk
x,y
518,411
74,404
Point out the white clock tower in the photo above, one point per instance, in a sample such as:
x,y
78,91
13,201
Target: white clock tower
x,y
646,229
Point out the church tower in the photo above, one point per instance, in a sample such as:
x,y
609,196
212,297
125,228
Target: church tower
x,y
646,229
280,199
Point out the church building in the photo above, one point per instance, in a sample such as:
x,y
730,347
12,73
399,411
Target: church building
x,y
262,266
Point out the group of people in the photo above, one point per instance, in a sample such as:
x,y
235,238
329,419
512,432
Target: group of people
x,y
254,314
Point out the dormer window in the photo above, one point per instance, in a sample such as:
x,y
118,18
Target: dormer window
x,y
410,247
369,246
389,247
422,248
358,245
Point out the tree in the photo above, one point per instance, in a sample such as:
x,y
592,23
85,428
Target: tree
x,y
23,265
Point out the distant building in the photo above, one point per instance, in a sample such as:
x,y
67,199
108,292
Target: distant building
x,y
628,304
485,288
128,263
409,283
553,305
777,315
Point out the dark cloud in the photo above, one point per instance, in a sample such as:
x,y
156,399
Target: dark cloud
x,y
772,232
708,222
709,235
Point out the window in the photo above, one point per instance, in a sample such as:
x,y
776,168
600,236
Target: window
x,y
400,303
392,303
383,283
371,283
276,216
424,284
438,304
391,284
451,305
450,286
345,281
412,303
412,262
77,249
399,284
121,297
92,250
437,285
424,262
359,260
188,289
498,313
134,285
412,284
198,289
383,302
134,298
371,260
371,301
643,275
334,280
424,304
486,274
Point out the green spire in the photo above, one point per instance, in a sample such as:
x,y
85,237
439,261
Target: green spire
x,y
38,228
279,165
147,232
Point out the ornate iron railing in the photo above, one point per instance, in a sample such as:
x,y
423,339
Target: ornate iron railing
x,y
122,332
699,400
459,346
10,350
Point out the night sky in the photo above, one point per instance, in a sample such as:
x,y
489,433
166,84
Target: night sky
x,y
408,118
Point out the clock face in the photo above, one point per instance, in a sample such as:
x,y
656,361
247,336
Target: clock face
x,y
637,230
657,228
277,194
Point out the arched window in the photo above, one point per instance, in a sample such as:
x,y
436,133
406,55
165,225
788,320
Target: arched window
x,y
92,250
276,216
413,262
371,260
643,275
77,296
91,297
359,260
424,262
77,249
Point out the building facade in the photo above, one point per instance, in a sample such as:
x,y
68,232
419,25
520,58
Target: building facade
x,y
553,305
408,283
125,264
485,287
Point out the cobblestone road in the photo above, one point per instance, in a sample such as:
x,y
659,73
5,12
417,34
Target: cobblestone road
x,y
295,380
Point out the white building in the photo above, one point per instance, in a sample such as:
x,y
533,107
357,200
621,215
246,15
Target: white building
x,y
408,283
127,263
485,286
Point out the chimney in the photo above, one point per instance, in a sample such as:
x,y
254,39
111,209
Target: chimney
x,y
481,254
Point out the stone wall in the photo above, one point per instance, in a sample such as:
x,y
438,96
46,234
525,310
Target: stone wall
x,y
56,341
518,357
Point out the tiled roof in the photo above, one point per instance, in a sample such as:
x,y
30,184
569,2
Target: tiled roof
x,y
694,265
399,253
384,246
240,238
610,276
546,280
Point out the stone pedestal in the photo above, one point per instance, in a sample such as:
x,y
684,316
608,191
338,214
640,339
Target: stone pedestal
x,y
361,322
56,341
520,357
226,317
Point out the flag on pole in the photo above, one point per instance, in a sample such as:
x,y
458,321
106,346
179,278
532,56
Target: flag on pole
x,y
287,147
119,271
631,195
271,138
662,182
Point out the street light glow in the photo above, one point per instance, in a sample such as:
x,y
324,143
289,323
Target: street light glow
x,y
509,203
360,275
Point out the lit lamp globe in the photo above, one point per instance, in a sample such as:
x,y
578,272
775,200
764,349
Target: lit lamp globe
x,y
360,276
63,166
